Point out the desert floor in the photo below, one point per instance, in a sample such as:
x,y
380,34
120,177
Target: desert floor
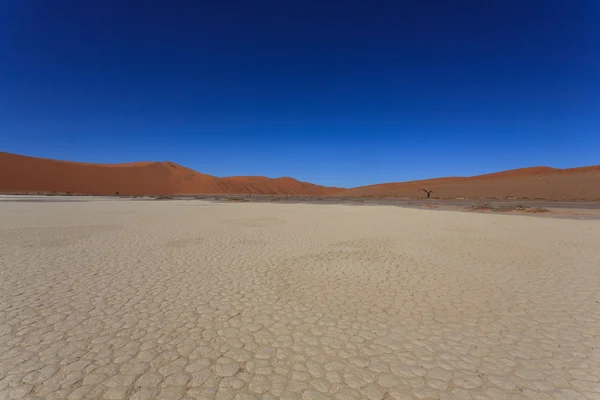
x,y
122,299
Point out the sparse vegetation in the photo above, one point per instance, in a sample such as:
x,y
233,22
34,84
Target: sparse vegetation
x,y
164,197
506,208
538,210
481,207
510,207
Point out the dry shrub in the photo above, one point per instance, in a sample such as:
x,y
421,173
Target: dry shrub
x,y
538,210
481,207
507,208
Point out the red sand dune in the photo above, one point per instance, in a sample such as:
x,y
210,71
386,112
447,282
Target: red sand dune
x,y
22,174
525,183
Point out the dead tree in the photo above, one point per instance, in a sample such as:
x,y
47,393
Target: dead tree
x,y
428,192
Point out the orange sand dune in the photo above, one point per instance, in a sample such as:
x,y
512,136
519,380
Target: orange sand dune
x,y
532,183
22,174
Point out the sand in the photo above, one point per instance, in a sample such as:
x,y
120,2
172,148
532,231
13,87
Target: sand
x,y
122,299
525,183
31,175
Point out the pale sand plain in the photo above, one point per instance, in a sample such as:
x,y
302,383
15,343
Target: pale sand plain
x,y
121,299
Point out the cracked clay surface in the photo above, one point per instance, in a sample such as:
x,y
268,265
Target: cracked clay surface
x,y
193,300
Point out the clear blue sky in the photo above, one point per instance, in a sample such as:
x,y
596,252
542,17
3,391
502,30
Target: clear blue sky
x,y
334,92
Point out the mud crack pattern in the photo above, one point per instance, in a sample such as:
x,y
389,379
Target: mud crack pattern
x,y
159,300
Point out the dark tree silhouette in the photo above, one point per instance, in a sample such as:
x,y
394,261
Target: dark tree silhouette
x,y
428,192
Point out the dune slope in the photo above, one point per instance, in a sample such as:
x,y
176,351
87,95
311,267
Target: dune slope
x,y
22,174
532,183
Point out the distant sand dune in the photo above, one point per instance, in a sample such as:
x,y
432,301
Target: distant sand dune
x,y
22,174
532,183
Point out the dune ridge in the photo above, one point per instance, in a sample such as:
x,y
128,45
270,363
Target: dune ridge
x,y
24,174
527,183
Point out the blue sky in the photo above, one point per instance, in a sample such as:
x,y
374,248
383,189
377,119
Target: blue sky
x,y
335,93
